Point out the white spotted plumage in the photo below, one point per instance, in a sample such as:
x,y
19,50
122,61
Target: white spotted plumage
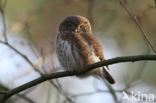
x,y
69,58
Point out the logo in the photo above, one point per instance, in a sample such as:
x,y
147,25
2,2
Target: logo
x,y
137,97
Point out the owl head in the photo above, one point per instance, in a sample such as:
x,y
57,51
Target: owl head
x,y
75,24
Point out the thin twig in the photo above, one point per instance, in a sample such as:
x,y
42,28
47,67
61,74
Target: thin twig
x,y
56,75
35,49
139,25
90,11
112,91
94,92
25,98
19,95
61,91
67,98
10,46
21,54
24,56
4,24
39,54
137,75
4,4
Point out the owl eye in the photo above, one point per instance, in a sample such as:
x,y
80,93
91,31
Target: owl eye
x,y
83,28
69,26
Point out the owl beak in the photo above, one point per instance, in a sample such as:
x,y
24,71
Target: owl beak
x,y
78,28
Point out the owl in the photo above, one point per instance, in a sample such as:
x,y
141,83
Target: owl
x,y
76,47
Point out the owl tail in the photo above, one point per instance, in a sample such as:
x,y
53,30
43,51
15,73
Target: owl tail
x,y
107,76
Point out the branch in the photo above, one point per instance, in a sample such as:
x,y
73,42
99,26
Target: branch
x,y
33,66
2,6
23,96
139,25
38,53
45,77
21,54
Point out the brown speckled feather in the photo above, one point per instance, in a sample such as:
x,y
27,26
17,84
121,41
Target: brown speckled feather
x,y
76,47
92,41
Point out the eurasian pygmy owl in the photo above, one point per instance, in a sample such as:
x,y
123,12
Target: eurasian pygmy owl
x,y
76,47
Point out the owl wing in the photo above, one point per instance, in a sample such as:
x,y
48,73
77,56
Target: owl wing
x,y
92,41
96,45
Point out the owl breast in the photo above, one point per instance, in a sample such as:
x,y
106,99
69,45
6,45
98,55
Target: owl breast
x,y
74,53
68,55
